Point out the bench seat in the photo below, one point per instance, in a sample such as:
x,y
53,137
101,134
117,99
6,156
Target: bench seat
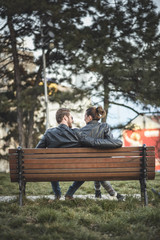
x,y
82,164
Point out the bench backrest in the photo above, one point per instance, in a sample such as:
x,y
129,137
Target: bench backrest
x,y
69,164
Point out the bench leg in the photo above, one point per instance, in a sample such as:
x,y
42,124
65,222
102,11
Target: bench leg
x,y
144,176
20,198
144,196
24,188
22,185
20,175
20,193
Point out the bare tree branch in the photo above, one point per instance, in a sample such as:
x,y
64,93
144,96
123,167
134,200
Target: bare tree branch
x,y
3,26
123,126
5,65
123,105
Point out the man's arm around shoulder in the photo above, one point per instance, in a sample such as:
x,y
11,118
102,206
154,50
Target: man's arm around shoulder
x,y
107,143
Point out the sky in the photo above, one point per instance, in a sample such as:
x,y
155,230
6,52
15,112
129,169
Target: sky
x,y
157,2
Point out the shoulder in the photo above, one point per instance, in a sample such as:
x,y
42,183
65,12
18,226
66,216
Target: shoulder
x,y
76,130
51,130
61,127
104,126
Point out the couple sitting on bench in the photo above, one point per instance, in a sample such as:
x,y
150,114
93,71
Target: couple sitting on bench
x,y
94,134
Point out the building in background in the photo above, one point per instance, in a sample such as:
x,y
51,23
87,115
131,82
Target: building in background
x,y
146,131
77,108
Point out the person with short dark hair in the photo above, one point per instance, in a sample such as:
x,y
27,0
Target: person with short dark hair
x,y
58,137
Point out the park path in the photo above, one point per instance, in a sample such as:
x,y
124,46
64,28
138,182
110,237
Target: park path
x,y
51,197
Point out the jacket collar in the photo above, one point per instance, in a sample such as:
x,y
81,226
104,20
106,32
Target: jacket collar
x,y
63,126
93,122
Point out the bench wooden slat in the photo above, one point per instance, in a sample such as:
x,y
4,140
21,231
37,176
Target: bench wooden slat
x,y
74,155
80,177
81,155
119,169
50,177
86,176
76,160
78,150
81,165
53,163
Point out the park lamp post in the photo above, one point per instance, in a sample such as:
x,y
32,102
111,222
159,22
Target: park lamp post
x,y
46,36
45,88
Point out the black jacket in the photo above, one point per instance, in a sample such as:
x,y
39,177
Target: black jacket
x,y
101,131
65,137
59,137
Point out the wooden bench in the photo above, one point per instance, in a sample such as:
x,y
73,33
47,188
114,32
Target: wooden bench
x,y
82,164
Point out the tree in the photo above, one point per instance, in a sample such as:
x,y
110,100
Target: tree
x,y
19,100
122,45
21,93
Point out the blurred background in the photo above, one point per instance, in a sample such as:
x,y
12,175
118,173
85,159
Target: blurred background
x,y
76,54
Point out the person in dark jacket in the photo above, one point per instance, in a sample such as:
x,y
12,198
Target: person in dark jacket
x,y
66,137
102,131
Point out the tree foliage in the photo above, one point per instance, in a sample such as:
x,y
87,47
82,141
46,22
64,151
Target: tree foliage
x,y
19,85
119,47
123,49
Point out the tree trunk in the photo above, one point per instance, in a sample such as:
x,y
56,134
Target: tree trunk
x,y
29,139
17,80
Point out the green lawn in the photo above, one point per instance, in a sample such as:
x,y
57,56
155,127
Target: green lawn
x,y
79,219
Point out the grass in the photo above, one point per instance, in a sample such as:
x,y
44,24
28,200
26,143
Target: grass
x,y
79,219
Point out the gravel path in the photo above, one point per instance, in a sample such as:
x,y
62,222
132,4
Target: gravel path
x,y
51,197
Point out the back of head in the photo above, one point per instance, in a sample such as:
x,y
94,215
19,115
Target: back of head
x,y
61,113
96,112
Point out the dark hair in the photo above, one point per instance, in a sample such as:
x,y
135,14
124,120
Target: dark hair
x,y
61,113
96,113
